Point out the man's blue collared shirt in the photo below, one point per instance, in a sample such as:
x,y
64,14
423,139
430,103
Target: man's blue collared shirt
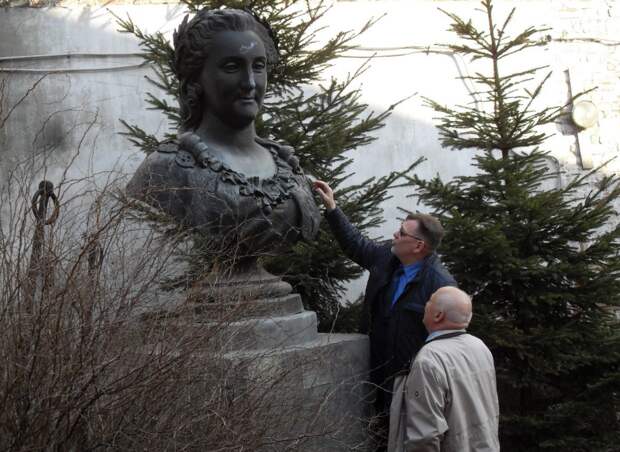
x,y
405,275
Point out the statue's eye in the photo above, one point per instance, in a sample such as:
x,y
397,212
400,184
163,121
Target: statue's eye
x,y
259,65
230,66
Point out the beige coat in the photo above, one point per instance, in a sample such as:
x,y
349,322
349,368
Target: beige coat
x,y
448,402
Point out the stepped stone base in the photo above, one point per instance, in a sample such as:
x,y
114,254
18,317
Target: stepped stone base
x,y
315,392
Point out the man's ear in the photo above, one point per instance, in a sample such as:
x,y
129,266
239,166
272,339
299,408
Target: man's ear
x,y
439,316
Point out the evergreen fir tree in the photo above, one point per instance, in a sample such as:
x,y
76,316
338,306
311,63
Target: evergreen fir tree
x,y
321,126
542,263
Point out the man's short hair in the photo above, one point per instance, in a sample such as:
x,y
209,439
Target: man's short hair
x,y
429,228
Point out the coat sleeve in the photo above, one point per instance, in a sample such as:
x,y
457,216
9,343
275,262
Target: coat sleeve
x,y
358,248
426,398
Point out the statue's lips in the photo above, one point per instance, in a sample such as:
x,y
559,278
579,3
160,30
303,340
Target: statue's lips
x,y
246,100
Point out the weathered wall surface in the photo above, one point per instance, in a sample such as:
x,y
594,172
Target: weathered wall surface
x,y
83,78
78,101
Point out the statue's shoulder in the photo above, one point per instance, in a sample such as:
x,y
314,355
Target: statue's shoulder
x,y
171,151
284,151
168,147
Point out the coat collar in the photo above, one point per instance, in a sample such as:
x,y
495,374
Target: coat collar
x,y
447,335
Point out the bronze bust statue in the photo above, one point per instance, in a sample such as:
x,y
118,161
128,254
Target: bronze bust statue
x,y
219,178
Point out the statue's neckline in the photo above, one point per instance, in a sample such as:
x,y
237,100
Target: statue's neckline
x,y
268,191
192,143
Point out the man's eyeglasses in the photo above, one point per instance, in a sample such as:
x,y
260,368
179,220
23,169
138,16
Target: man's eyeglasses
x,y
403,233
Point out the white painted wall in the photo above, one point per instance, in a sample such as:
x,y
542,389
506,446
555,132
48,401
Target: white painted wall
x,y
69,110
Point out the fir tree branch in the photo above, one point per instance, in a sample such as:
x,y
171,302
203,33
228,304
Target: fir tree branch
x,y
137,136
156,47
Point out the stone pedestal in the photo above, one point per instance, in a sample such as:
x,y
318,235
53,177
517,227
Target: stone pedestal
x,y
315,396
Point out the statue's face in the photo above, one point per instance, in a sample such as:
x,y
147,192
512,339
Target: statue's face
x,y
234,77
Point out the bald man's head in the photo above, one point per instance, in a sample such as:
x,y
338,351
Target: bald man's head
x,y
448,309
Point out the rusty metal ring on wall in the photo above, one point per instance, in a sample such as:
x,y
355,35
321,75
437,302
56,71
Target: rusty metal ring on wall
x,y
55,213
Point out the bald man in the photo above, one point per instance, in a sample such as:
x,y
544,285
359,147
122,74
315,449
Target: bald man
x,y
448,401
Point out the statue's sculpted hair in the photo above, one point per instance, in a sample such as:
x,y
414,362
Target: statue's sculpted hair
x,y
192,41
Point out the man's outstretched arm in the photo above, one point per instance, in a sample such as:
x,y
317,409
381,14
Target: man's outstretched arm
x,y
358,248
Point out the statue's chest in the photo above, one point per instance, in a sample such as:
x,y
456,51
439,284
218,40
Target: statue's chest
x,y
222,193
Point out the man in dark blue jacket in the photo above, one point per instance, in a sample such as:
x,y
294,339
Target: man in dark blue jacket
x,y
403,276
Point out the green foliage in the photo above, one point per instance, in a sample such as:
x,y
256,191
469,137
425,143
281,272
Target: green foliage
x,y
542,263
321,123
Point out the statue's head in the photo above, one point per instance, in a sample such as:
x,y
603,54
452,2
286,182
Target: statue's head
x,y
221,60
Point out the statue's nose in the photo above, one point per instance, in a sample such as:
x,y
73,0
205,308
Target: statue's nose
x,y
249,82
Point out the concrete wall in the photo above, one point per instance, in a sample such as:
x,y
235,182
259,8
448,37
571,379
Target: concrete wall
x,y
77,106
79,99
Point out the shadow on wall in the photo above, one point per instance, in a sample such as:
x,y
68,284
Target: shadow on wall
x,y
66,77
